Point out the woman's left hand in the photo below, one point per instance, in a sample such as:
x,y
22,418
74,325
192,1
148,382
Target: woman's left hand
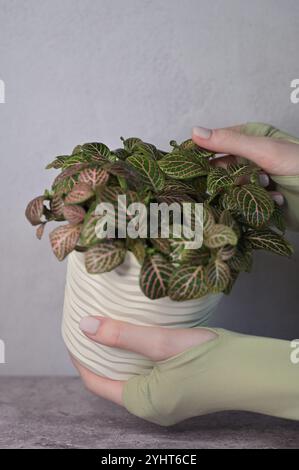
x,y
156,343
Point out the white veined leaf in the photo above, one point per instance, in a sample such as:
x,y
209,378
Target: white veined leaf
x,y
254,203
208,220
180,167
187,282
96,152
218,178
220,235
268,240
149,170
217,275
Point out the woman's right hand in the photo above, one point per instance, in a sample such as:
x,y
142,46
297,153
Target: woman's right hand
x,y
275,151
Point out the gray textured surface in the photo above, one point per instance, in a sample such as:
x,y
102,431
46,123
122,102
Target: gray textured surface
x,y
84,70
59,413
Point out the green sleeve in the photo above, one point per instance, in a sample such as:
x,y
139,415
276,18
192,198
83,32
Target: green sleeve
x,y
232,372
287,185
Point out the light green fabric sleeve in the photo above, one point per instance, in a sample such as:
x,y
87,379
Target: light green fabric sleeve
x,y
287,185
232,372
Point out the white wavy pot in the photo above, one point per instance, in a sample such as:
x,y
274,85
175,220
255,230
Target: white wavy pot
x,y
117,295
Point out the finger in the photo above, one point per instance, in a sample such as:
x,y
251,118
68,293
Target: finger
x,y
156,343
119,334
101,386
223,162
263,179
277,197
260,150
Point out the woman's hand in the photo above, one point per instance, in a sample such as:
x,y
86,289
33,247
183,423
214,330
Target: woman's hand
x,y
275,151
155,343
196,371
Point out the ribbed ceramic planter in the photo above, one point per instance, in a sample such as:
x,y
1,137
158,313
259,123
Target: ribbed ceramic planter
x,y
117,295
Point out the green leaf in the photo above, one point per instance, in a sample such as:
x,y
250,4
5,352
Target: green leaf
x,y
58,162
220,235
73,160
161,244
65,181
254,203
177,186
104,257
81,192
217,275
35,210
148,170
268,240
120,153
238,170
154,276
147,150
187,282
200,185
226,218
226,252
97,152
77,149
137,247
129,143
94,177
194,149
88,234
64,239
170,196
218,178
208,220
180,167
125,170
241,261
233,277
199,257
277,218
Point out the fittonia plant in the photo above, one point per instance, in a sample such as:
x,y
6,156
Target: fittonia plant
x,y
237,218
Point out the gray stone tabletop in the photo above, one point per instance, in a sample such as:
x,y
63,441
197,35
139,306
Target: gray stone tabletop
x,y
58,412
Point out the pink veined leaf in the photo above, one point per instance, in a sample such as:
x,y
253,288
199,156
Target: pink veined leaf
x,y
56,206
154,276
74,214
40,231
81,192
35,210
94,176
72,170
64,239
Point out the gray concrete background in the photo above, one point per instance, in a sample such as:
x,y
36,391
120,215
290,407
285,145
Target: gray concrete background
x,y
78,71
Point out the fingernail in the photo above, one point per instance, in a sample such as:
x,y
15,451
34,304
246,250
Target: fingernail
x,y
202,132
89,325
278,198
264,180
